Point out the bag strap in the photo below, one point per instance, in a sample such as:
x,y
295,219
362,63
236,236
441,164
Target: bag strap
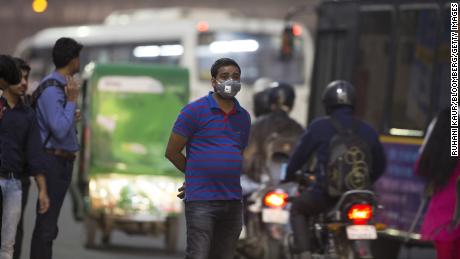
x,y
337,125
41,88
38,92
340,128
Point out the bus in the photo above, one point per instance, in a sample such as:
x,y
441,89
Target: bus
x,y
191,38
396,53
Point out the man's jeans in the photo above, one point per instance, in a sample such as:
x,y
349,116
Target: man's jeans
x,y
25,181
12,196
213,228
58,178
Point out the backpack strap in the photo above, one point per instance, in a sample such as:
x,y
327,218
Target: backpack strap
x,y
48,137
38,92
41,88
337,125
355,125
341,129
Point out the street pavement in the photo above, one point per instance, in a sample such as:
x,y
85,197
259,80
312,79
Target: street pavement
x,y
69,244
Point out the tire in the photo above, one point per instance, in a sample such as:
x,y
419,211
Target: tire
x,y
106,231
91,226
171,234
344,248
386,247
105,239
273,249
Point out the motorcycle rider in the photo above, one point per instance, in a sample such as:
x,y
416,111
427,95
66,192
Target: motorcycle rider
x,y
277,123
339,102
262,87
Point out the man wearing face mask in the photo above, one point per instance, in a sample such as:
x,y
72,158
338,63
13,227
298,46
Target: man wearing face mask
x,y
214,129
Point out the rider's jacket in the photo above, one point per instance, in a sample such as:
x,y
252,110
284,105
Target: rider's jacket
x,y
316,141
277,122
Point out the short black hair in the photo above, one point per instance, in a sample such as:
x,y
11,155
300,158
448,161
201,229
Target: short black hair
x,y
64,50
222,62
21,64
9,71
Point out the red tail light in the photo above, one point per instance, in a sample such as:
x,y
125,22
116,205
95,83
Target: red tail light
x,y
360,214
276,199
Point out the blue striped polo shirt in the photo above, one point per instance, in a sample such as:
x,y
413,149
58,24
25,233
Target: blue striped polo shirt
x,y
214,149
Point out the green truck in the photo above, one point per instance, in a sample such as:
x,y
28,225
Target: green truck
x,y
126,183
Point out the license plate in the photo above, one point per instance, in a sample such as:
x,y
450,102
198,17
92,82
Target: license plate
x,y
275,216
361,232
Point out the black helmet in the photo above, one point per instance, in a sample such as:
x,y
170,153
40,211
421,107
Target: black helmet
x,y
261,105
337,93
281,94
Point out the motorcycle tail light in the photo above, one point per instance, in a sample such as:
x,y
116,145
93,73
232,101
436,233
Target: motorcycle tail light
x,y
360,214
276,199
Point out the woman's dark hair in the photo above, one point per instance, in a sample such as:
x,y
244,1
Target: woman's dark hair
x,y
64,50
9,71
222,62
436,163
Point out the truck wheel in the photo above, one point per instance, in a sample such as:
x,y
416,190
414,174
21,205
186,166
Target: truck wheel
x,y
171,234
105,238
90,229
107,231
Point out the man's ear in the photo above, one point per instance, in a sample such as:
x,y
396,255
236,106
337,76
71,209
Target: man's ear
x,y
74,64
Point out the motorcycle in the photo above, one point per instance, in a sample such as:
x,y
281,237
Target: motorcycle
x,y
344,231
266,219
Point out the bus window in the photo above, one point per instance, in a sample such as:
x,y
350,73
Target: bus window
x,y
160,53
257,54
150,52
331,52
41,63
371,65
411,96
97,54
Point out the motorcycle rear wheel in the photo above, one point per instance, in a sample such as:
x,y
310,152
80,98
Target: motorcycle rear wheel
x,y
344,248
273,249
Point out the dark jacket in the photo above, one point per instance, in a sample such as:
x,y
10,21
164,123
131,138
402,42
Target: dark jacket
x,y
316,140
20,142
262,129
